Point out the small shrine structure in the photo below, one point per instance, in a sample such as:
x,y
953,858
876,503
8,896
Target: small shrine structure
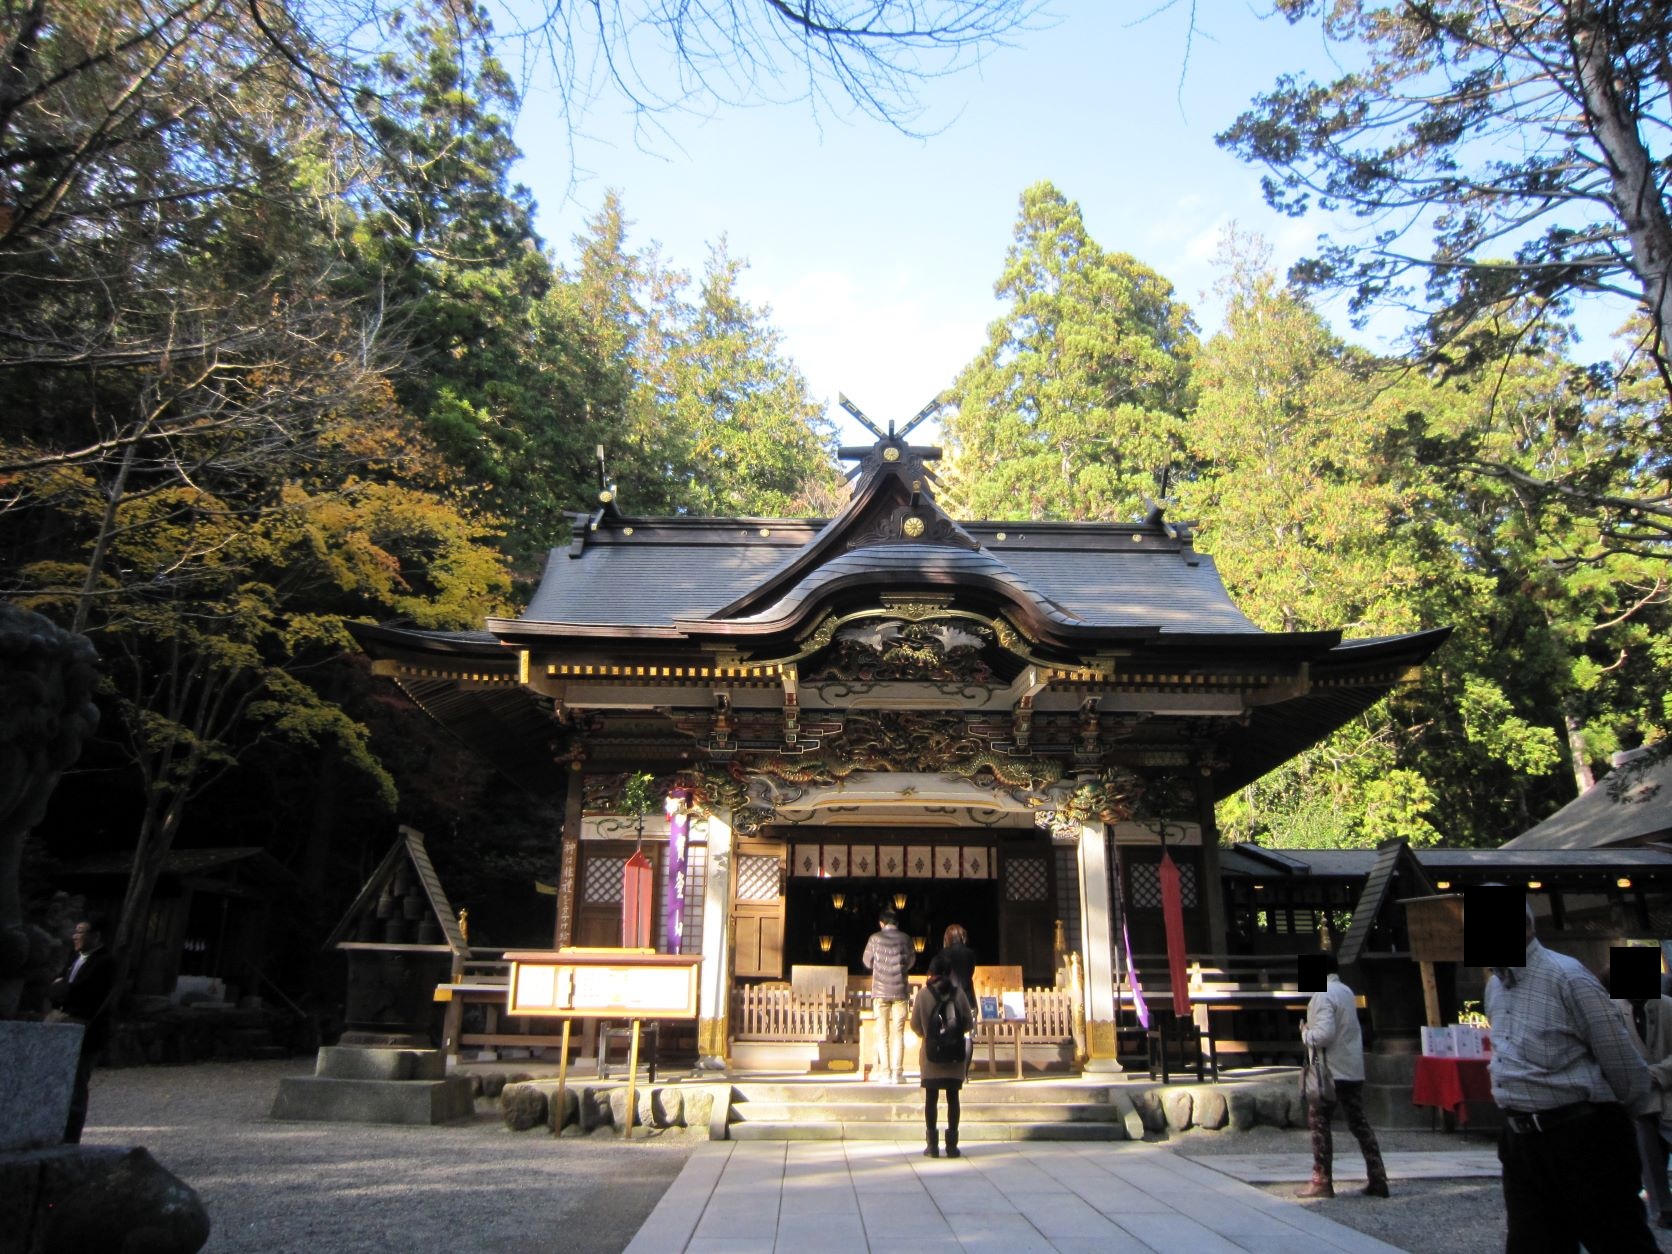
x,y
996,724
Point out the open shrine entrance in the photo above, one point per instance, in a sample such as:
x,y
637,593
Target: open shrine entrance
x,y
813,897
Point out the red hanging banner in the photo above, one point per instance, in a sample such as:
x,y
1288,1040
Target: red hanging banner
x,y
1172,914
638,908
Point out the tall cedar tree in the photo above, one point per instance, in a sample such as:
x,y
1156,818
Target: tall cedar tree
x,y
1073,408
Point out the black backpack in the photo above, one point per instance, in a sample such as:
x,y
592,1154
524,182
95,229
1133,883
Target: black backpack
x,y
945,1039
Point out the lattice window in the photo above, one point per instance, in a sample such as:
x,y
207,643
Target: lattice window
x,y
1144,883
1068,895
696,880
602,883
1026,879
757,877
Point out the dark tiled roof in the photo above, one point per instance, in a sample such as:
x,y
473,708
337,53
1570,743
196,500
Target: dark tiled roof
x,y
1242,859
649,584
1132,587
1097,577
1616,810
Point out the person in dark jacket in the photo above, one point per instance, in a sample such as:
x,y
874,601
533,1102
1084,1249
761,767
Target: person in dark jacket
x,y
84,995
888,957
955,946
941,1077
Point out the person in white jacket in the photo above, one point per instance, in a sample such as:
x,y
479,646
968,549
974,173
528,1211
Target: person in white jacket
x,y
1650,1025
1332,1026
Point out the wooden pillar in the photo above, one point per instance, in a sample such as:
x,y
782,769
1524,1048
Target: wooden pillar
x,y
1097,944
714,992
1213,886
568,856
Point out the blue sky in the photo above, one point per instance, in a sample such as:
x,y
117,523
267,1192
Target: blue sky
x,y
878,251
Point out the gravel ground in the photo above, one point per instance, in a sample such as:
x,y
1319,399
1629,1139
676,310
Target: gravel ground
x,y
335,1188
1464,1216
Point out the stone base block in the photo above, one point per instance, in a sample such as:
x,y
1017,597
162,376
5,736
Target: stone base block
x,y
1389,1106
35,1082
355,1062
75,1198
321,1100
1390,1068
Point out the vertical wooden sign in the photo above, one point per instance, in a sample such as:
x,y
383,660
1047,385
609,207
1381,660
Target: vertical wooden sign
x,y
638,909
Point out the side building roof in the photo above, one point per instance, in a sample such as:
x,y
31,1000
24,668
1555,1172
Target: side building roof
x,y
1629,806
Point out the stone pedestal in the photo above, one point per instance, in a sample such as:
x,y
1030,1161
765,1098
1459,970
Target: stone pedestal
x,y
354,1085
35,1082
1387,1090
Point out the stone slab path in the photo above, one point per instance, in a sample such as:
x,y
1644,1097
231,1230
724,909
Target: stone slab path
x,y
812,1197
1282,1168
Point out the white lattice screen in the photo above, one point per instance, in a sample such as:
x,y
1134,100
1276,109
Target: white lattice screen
x,y
1026,879
758,877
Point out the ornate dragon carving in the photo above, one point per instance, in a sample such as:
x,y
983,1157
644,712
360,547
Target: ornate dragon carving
x,y
1111,797
906,648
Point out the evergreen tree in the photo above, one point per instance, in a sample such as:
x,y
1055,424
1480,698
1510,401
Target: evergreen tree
x,y
1073,408
755,439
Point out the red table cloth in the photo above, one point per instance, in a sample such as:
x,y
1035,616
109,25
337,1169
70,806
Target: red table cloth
x,y
1450,1083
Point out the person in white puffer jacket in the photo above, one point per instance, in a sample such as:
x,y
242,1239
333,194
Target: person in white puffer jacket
x,y
1332,1026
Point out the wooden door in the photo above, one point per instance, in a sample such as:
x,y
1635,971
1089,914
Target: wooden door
x,y
1027,911
598,903
759,868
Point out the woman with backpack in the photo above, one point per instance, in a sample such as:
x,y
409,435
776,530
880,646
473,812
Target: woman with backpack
x,y
942,1017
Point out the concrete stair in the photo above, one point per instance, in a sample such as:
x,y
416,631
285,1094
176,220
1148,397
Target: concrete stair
x,y
990,1111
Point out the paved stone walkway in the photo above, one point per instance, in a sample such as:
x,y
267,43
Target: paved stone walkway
x,y
833,1197
1349,1166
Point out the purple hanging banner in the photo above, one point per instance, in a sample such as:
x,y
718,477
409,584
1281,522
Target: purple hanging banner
x,y
679,828
1138,1002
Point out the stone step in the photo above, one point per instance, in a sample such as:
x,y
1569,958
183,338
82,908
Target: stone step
x,y
323,1099
992,1092
903,1131
912,1111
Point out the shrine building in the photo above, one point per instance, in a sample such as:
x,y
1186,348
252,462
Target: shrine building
x,y
995,724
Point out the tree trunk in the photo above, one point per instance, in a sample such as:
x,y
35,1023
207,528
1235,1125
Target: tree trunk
x,y
101,543
1583,776
157,830
1631,169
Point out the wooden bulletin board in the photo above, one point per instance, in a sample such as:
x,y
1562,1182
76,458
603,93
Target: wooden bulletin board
x,y
603,984
1435,926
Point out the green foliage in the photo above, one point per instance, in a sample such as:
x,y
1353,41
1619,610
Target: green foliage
x,y
1489,721
1501,157
1073,409
1335,494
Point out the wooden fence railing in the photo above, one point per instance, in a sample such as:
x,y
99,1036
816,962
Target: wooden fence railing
x,y
1050,1016
766,1013
761,1013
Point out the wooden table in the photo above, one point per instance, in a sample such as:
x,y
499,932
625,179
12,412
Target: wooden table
x,y
989,1031
1206,1004
493,997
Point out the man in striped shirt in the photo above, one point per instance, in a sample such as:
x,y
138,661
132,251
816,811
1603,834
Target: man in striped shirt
x,y
1568,1079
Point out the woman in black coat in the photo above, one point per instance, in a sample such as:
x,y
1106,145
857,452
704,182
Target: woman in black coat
x,y
941,1076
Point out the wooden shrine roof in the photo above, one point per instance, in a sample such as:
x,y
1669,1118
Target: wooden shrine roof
x,y
1630,805
649,595
641,573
